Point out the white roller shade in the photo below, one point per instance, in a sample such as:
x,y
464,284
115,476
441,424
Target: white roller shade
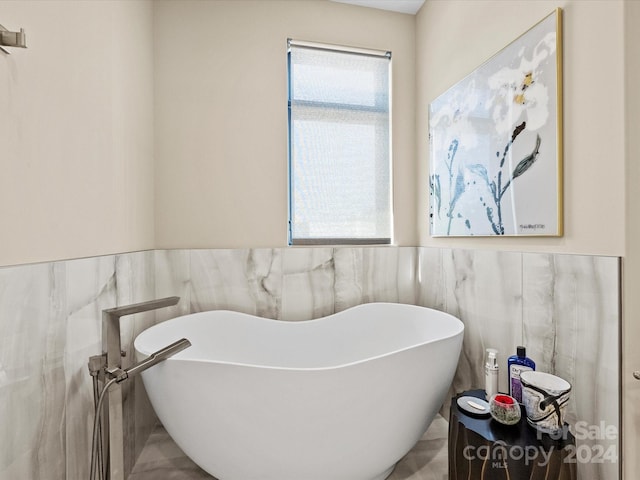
x,y
340,168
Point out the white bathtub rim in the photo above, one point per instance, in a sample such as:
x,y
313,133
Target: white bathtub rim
x,y
183,356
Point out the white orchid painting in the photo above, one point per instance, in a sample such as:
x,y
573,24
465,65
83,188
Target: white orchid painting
x,y
495,143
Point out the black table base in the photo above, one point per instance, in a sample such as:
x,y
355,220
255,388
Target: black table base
x,y
481,448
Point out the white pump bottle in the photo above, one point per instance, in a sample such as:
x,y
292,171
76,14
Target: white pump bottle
x,y
491,372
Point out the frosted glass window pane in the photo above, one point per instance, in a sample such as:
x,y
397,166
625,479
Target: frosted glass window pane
x,y
340,173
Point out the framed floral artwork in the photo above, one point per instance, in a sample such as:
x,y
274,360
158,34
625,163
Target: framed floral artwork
x,y
495,156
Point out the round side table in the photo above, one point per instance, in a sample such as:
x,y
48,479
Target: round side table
x,y
481,448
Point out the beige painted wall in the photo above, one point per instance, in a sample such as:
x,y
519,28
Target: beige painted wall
x,y
455,36
78,119
221,114
76,130
631,262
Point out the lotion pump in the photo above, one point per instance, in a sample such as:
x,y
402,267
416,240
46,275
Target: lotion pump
x,y
491,372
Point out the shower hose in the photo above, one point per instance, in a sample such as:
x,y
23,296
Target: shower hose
x,y
96,453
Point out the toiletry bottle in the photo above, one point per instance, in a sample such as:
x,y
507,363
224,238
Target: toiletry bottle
x,y
491,372
517,364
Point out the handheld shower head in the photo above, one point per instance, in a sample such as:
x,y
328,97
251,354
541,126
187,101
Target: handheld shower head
x,y
153,359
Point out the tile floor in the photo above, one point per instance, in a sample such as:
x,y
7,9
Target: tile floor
x,y
162,458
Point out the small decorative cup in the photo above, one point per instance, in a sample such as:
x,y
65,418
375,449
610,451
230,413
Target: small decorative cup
x,y
504,409
545,398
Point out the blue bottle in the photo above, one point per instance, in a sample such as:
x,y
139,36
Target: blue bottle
x,y
516,365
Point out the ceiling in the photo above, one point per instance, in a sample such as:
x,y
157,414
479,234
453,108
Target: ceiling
x,y
402,6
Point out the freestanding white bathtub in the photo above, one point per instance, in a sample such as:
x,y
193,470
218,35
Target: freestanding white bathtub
x,y
342,397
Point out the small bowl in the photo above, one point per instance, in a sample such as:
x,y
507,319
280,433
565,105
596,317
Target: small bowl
x,y
504,409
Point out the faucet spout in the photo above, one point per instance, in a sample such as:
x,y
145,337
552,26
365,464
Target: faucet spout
x,y
111,325
142,307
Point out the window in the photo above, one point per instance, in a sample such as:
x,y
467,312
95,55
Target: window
x,y
339,145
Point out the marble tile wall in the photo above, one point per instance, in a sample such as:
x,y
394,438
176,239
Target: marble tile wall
x,y
286,284
563,308
49,327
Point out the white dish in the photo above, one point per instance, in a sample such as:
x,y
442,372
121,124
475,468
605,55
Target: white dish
x,y
474,405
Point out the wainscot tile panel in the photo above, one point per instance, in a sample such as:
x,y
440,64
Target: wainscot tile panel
x,y
32,379
321,281
571,328
564,308
246,280
430,286
173,279
484,290
364,275
90,288
308,283
50,324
